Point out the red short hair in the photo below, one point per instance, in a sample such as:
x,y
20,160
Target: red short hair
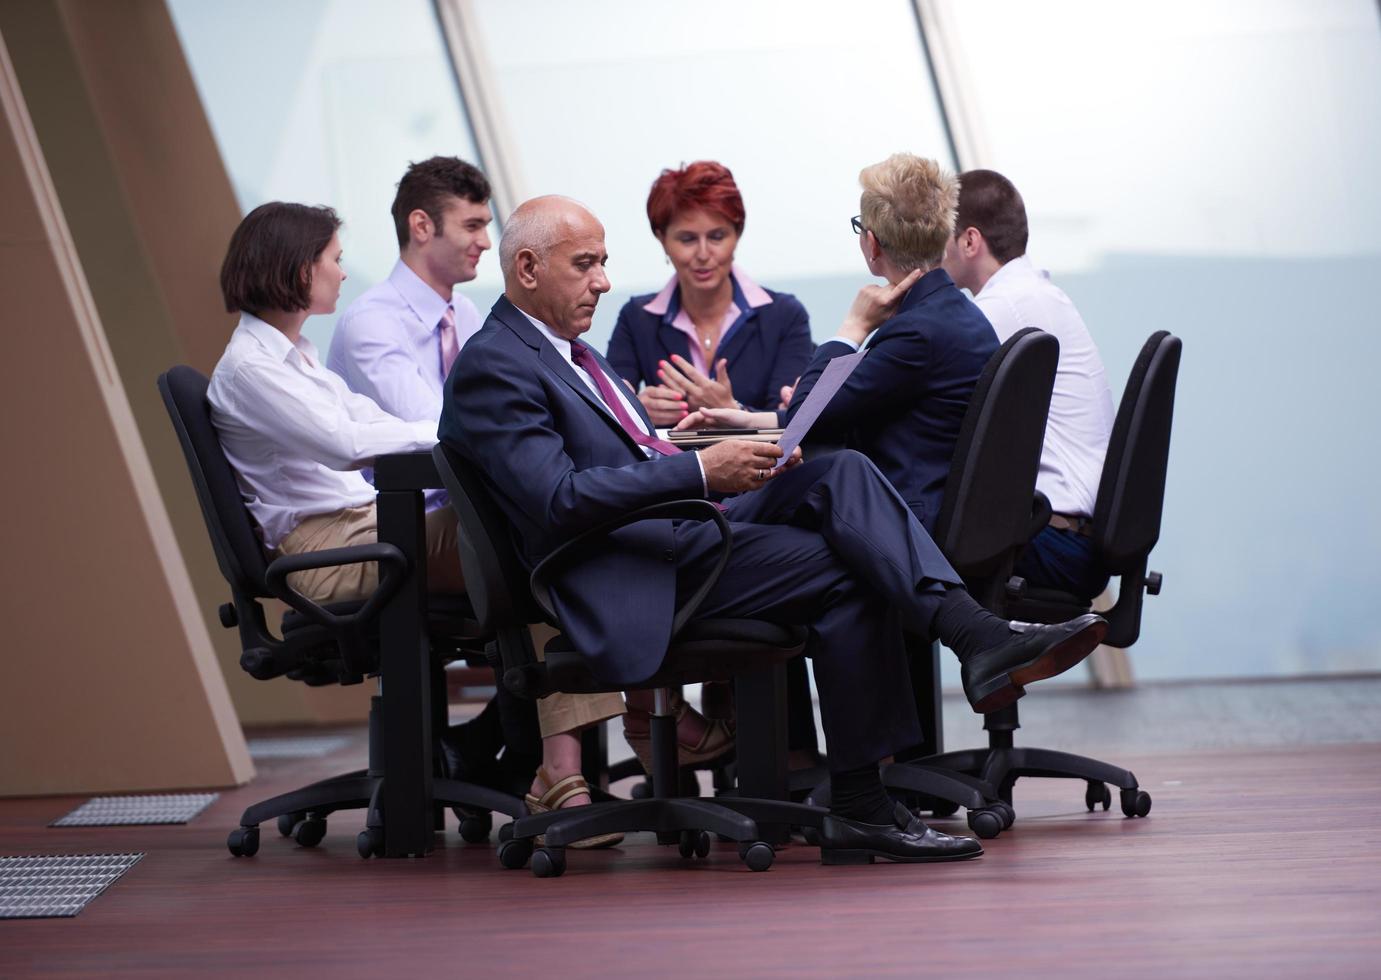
x,y
702,186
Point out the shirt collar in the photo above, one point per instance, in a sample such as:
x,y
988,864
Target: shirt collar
x,y
562,345
424,300
275,341
753,294
1010,270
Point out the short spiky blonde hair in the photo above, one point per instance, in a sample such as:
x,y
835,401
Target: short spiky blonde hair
x,y
908,204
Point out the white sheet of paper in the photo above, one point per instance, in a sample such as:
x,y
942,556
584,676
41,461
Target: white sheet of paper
x,y
831,379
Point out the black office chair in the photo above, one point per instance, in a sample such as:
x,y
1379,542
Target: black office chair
x,y
506,600
334,643
984,517
1126,526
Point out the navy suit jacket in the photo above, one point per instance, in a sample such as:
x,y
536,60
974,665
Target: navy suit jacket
x,y
903,405
558,463
768,349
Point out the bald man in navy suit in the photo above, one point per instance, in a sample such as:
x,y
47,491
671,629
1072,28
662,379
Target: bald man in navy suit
x,y
827,544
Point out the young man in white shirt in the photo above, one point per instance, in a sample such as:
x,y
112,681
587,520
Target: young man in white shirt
x,y
987,256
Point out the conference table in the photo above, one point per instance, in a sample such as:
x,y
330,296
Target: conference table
x,y
406,680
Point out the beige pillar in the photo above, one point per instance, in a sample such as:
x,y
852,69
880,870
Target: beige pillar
x,y
150,209
111,683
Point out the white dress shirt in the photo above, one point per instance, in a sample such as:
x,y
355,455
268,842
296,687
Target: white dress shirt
x,y
387,346
563,347
294,433
1081,413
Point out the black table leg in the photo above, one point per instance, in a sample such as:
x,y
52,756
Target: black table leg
x,y
407,684
760,700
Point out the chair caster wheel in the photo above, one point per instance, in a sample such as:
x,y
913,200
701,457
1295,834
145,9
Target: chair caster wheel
x,y
370,842
309,832
1005,811
288,821
641,790
243,841
514,854
757,855
549,862
1097,793
1136,802
986,822
475,825
693,843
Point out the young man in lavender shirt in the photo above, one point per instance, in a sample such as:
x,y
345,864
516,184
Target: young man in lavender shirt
x,y
396,343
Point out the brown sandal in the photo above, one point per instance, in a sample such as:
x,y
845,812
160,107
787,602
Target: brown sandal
x,y
555,797
718,740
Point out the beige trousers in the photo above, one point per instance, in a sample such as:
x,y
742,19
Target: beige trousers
x,y
556,713
360,525
559,713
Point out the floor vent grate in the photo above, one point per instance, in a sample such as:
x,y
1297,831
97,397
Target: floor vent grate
x,y
46,886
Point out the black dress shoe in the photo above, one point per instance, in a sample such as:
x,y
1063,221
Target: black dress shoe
x,y
906,839
464,761
996,677
457,755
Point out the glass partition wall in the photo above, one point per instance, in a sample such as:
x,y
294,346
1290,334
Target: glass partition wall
x,y
1210,169
1205,169
326,102
794,98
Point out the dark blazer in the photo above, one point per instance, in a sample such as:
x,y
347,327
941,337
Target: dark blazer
x,y
903,405
559,463
767,349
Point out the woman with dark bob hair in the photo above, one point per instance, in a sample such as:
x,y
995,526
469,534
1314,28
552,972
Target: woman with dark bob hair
x,y
295,435
711,321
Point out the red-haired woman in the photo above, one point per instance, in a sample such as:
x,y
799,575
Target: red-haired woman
x,y
712,337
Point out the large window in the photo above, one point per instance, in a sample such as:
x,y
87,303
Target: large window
x,y
326,102
1210,169
1203,168
795,98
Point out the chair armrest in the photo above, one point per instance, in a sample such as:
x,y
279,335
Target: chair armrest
x,y
347,627
1041,512
695,510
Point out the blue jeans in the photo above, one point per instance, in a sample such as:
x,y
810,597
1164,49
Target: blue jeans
x,y
1059,559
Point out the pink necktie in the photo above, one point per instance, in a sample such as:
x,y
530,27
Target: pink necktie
x,y
582,356
449,348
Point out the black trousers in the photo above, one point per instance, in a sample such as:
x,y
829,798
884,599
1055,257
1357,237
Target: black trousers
x,y
830,545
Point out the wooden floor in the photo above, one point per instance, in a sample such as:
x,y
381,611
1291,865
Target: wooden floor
x,y
1252,863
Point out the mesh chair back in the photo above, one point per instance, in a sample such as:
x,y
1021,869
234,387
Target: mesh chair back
x,y
986,512
239,552
1126,516
495,578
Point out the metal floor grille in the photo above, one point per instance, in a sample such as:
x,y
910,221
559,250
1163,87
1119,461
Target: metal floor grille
x,y
305,747
119,811
44,886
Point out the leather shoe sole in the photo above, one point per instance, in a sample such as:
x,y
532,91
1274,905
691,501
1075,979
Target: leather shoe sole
x,y
1067,644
